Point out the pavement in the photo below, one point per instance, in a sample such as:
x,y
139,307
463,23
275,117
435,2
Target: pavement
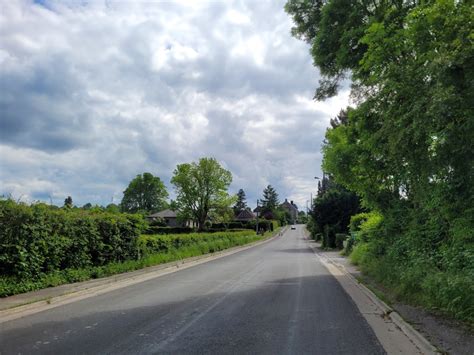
x,y
273,298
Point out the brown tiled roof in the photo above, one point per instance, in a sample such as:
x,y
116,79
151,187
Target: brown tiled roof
x,y
245,214
164,214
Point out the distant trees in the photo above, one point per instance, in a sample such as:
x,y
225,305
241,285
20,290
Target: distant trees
x,y
144,193
112,208
241,203
270,199
200,188
68,202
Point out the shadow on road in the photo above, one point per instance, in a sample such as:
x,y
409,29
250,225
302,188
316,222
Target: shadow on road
x,y
309,314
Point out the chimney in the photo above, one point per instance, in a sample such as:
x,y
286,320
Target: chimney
x,y
292,202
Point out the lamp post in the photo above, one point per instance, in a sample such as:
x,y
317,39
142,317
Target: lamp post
x,y
316,178
256,229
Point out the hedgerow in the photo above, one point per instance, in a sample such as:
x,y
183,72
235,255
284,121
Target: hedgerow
x,y
42,246
38,239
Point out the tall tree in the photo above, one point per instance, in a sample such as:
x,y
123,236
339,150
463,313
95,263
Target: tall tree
x,y
68,202
144,193
241,203
200,188
406,148
270,199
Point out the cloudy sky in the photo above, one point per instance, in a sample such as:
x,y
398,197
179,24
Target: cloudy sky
x,y
95,92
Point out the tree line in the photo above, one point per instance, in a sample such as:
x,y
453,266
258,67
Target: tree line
x,y
406,147
201,194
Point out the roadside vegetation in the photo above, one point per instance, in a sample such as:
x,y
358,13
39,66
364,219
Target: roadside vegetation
x,y
406,148
43,247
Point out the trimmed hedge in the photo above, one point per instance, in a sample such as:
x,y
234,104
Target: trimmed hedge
x,y
38,239
207,242
168,230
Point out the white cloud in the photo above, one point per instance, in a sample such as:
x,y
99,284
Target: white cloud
x,y
94,94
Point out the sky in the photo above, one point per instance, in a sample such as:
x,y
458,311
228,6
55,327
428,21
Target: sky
x,y
93,93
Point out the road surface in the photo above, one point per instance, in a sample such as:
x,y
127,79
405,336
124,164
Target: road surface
x,y
276,298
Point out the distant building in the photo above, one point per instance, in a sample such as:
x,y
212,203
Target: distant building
x,y
245,215
168,216
291,208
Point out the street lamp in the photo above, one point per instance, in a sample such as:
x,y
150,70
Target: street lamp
x,y
315,178
256,229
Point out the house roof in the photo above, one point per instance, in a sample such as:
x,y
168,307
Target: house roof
x,y
164,214
289,206
245,214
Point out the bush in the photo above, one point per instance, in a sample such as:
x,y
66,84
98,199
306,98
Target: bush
x,y
340,238
408,254
38,239
151,250
229,225
168,230
329,237
357,220
151,244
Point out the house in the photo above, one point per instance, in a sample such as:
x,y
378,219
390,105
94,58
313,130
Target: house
x,y
291,208
168,216
245,215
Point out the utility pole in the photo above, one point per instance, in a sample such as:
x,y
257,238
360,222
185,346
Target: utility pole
x,y
257,219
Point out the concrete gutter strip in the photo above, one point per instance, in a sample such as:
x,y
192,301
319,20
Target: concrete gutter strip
x,y
413,335
22,305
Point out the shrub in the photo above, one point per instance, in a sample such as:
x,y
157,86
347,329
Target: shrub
x,y
150,244
340,238
38,239
168,230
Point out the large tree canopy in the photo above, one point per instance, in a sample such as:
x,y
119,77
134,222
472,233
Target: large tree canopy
x,y
200,188
145,193
406,148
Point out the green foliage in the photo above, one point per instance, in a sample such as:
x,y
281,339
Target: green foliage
x,y
145,193
332,211
154,229
201,187
147,250
369,226
68,202
406,149
112,208
340,239
270,199
357,220
206,242
36,239
241,203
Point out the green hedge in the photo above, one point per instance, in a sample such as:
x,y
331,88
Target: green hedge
x,y
208,242
42,246
168,230
38,239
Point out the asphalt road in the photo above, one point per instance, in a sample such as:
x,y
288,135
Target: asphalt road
x,y
276,298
